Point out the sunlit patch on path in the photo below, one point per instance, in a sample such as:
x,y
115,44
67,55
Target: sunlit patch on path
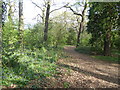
x,y
84,71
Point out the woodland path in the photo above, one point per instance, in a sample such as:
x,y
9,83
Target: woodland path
x,y
85,71
82,71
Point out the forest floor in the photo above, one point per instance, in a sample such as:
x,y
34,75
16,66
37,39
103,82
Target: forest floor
x,y
78,70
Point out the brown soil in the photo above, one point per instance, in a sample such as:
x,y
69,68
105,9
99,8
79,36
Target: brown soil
x,y
82,71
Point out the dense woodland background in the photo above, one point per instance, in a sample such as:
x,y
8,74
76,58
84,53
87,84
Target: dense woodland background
x,y
32,52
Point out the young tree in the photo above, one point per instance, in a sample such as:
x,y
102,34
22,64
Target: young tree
x,y
0,30
3,10
46,21
45,17
21,24
82,15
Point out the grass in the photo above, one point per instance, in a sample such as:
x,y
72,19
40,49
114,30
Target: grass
x,y
115,52
87,50
106,58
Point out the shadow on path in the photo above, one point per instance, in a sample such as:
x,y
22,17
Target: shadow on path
x,y
99,76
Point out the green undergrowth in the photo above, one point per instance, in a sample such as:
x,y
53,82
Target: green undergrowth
x,y
97,53
107,58
116,52
20,68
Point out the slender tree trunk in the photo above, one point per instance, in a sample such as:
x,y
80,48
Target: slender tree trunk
x,y
46,22
0,31
78,36
79,32
107,44
21,24
81,25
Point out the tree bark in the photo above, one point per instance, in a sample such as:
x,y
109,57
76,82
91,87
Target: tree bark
x,y
45,17
21,24
46,22
0,31
107,44
79,32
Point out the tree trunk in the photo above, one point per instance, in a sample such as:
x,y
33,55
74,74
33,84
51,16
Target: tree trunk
x,y
79,32
78,36
107,44
21,24
0,31
81,25
46,22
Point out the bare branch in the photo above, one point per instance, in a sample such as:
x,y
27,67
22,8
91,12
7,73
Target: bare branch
x,y
78,20
40,16
45,3
37,6
85,6
74,11
58,8
80,4
37,17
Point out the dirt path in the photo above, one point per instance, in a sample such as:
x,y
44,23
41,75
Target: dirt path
x,y
79,70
